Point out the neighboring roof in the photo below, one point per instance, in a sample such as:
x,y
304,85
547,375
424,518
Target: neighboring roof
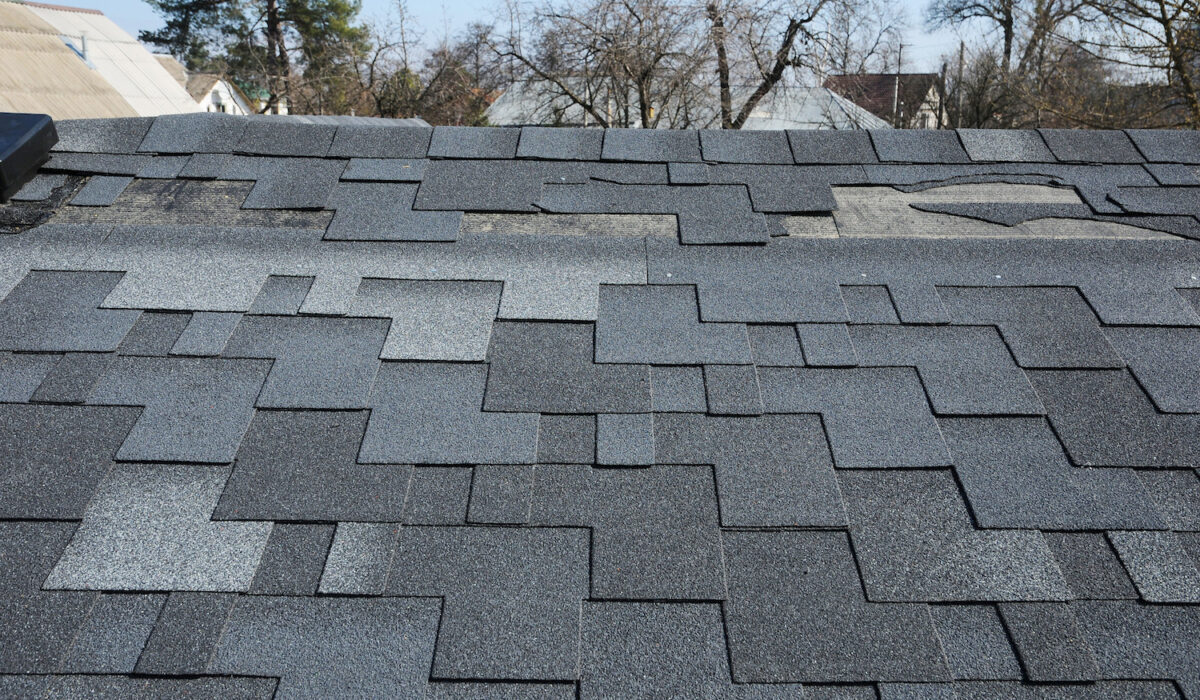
x,y
174,67
43,75
877,91
296,409
200,84
120,60
786,107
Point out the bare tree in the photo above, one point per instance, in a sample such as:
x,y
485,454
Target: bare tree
x,y
1155,38
676,63
759,42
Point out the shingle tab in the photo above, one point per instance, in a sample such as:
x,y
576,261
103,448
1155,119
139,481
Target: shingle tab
x,y
101,135
625,439
330,646
467,142
784,586
406,395
58,311
975,642
732,390
549,368
1090,566
864,431
382,211
368,141
1160,567
651,145
318,362
1073,145
195,409
438,496
193,133
266,136
738,146
660,650
1126,432
300,465
185,634
72,378
771,471
555,143
148,528
1043,327
631,321
1049,641
811,147
655,534
101,191
1166,362
501,493
293,559
918,146
1164,146
1005,145
115,633
52,458
1016,475
900,518
527,587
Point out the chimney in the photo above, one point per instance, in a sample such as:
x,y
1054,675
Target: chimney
x,y
83,47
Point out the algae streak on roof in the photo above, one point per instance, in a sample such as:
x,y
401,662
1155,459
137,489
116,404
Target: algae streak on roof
x,y
297,409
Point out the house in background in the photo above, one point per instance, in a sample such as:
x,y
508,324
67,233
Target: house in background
x,y
70,63
42,74
216,94
904,100
785,107
120,60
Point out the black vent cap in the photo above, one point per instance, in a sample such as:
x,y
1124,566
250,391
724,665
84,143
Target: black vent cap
x,y
25,142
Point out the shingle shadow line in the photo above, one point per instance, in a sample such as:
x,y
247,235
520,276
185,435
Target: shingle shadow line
x,y
1144,389
784,528
659,601
1012,642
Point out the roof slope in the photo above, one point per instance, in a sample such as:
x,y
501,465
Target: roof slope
x,y
321,410
877,91
42,75
120,60
785,107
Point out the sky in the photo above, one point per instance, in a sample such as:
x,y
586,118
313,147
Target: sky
x,y
436,18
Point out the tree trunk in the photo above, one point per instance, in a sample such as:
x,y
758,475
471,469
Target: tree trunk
x,y
276,58
717,17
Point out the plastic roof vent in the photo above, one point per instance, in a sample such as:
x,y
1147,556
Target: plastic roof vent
x,y
25,142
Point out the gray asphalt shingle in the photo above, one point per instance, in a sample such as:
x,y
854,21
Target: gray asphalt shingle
x,y
300,465
549,368
677,414
148,528
783,588
195,410
655,534
404,398
317,362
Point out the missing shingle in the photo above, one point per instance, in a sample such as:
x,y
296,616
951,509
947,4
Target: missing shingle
x,y
571,224
974,211
189,202
21,215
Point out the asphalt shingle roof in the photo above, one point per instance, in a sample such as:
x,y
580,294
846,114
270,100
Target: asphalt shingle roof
x,y
326,411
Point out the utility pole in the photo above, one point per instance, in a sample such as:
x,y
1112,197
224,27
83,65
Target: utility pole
x,y
958,85
896,89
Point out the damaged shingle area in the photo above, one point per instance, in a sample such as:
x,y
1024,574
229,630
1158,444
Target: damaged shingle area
x,y
852,414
